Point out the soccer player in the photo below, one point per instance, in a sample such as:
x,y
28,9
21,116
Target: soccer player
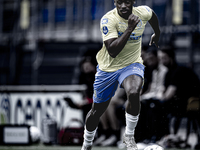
x,y
120,62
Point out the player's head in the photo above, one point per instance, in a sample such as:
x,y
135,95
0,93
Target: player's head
x,y
166,56
124,7
87,65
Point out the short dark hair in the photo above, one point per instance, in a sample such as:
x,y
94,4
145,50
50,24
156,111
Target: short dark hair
x,y
169,51
152,50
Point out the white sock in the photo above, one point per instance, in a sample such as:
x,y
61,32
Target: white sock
x,y
89,136
131,122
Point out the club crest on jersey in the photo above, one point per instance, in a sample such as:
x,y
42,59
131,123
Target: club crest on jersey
x,y
104,21
105,30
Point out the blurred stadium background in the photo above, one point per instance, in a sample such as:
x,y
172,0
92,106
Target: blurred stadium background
x,y
42,43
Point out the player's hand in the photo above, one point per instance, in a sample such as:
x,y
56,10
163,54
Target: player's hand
x,y
154,40
133,20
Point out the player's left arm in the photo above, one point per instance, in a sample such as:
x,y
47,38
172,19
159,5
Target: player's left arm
x,y
155,25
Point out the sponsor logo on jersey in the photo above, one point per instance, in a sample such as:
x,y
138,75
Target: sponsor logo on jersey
x,y
132,36
122,23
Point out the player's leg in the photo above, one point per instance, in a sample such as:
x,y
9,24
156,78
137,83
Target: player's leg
x,y
105,86
131,80
92,121
105,128
132,85
113,133
93,116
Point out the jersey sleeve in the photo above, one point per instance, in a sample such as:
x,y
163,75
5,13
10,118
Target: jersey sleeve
x,y
147,12
108,28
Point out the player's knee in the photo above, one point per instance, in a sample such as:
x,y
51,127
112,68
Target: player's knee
x,y
133,92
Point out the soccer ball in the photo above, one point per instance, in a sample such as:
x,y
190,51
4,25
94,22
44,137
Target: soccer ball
x,y
154,147
35,134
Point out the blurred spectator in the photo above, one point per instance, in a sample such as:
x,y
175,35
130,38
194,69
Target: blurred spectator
x,y
147,71
156,86
150,127
87,76
144,54
171,86
181,83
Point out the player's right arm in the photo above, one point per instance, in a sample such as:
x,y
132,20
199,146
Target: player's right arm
x,y
115,45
